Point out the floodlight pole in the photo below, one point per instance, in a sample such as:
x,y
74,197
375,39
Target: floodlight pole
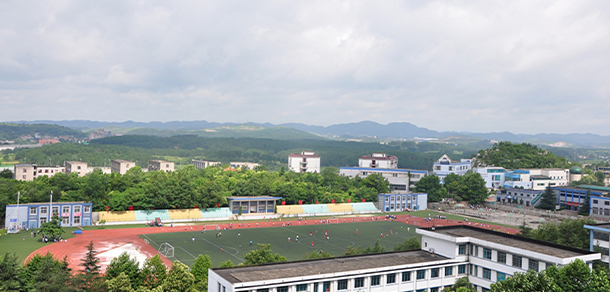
x,y
51,207
18,194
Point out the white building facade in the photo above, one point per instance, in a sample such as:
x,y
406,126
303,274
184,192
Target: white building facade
x,y
493,176
248,165
448,253
306,161
444,166
201,164
378,160
121,166
537,179
401,180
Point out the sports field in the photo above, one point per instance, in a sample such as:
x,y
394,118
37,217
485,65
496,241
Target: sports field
x,y
341,236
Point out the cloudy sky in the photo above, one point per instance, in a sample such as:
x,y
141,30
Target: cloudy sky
x,y
519,66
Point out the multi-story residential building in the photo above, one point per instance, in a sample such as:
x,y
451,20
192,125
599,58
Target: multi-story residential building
x,y
536,179
402,201
448,253
121,166
33,215
493,176
201,164
306,161
78,167
444,166
28,172
378,160
248,165
166,166
400,179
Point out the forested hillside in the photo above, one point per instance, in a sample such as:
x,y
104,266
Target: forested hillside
x,y
269,152
513,156
14,131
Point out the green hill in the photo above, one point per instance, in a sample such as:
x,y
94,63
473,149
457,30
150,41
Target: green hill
x,y
9,131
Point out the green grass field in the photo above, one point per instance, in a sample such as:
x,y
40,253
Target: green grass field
x,y
234,248
23,248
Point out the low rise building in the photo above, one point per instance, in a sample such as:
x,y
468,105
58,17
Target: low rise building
x,y
29,172
248,165
528,198
201,164
445,166
121,166
447,253
306,161
166,166
400,179
537,179
378,160
78,167
493,176
33,215
402,201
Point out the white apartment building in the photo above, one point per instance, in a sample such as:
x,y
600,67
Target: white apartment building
x,y
493,176
78,167
448,253
121,166
166,166
306,161
378,160
248,165
444,166
400,179
201,164
537,179
29,172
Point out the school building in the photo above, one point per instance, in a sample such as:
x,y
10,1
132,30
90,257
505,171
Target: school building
x,y
32,215
402,201
447,254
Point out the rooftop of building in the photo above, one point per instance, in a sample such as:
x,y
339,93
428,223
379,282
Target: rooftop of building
x,y
370,157
46,203
384,169
522,190
274,271
303,155
203,160
159,161
598,188
515,241
75,162
25,165
594,190
538,177
122,161
253,198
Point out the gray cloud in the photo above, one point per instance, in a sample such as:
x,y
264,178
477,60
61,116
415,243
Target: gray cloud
x,y
519,66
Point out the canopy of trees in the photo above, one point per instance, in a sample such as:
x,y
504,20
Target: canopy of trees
x,y
14,131
469,187
513,156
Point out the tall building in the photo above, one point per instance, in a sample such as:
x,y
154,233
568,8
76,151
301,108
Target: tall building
x,y
201,164
78,167
121,166
445,166
378,160
447,254
306,161
166,166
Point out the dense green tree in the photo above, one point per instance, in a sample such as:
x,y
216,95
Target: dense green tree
x,y
119,283
50,275
316,255
377,182
179,279
410,243
52,228
461,285
124,264
569,232
6,174
526,282
200,270
377,248
515,156
431,185
153,272
226,264
586,206
262,255
548,201
472,188
10,273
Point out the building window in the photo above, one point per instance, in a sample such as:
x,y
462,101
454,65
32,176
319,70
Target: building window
x,y
86,209
263,290
462,249
43,210
607,203
474,270
448,271
219,289
65,220
421,274
500,277
282,289
55,210
32,210
65,209
461,269
533,265
595,202
434,273
406,276
487,274
342,285
43,220
487,253
517,261
76,209
501,257
375,280
390,279
76,220
359,282
434,289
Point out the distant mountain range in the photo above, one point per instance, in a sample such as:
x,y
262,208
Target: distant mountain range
x,y
364,129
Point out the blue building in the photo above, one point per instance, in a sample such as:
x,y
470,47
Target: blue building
x,y
398,202
33,215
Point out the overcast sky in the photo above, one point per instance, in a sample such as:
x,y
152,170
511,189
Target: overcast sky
x,y
479,66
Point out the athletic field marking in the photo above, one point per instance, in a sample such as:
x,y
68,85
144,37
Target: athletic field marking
x,y
150,240
180,247
343,248
241,260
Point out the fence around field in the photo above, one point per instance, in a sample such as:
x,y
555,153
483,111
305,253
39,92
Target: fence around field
x,y
326,209
172,215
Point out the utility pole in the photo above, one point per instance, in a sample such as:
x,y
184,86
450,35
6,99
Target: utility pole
x,y
51,207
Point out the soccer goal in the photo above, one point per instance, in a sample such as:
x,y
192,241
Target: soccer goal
x,y
167,250
333,221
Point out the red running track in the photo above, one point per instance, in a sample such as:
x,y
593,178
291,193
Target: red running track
x,y
105,240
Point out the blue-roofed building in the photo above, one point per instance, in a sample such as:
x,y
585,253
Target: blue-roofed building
x,y
400,179
402,201
444,166
32,215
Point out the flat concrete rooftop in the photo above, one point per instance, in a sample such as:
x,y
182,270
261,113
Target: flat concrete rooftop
x,y
512,241
325,266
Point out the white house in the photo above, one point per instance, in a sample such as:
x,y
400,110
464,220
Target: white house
x,y
444,166
306,161
493,176
447,253
378,160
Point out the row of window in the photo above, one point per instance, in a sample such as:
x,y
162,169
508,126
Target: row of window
x,y
517,261
64,209
607,203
